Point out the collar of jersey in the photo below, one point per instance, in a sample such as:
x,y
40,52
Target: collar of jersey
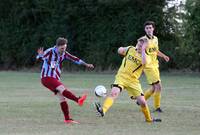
x,y
149,36
55,49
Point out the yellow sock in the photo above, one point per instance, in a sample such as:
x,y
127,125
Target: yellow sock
x,y
157,98
107,104
146,113
148,93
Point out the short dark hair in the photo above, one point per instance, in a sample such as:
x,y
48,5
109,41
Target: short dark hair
x,y
61,41
149,23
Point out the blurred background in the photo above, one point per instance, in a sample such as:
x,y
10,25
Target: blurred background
x,y
96,28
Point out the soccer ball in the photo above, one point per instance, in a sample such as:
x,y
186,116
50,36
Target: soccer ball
x,y
100,91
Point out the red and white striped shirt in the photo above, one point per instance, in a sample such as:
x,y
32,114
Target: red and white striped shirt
x,y
52,62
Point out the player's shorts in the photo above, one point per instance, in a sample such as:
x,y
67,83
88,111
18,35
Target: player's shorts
x,y
133,87
152,75
51,83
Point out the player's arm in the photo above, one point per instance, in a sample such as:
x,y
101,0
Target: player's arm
x,y
78,61
122,50
162,55
144,54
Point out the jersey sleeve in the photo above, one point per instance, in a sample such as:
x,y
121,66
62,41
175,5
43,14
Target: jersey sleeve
x,y
127,49
73,58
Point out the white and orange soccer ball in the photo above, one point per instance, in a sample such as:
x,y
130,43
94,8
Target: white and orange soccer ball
x,y
100,91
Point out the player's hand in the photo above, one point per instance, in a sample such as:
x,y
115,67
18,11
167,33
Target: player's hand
x,y
91,66
40,51
166,58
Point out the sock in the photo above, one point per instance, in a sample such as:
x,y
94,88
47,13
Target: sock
x,y
70,95
65,109
107,104
157,98
148,93
146,113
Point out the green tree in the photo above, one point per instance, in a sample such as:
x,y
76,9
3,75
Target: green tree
x,y
193,33
95,28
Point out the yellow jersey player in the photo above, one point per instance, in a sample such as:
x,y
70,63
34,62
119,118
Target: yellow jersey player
x,y
127,77
151,70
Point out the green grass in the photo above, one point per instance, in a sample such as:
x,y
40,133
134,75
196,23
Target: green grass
x,y
27,108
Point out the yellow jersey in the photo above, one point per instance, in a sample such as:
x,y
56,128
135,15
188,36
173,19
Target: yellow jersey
x,y
152,51
131,67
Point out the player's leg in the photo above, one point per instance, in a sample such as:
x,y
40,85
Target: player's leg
x,y
56,86
63,105
51,84
157,97
65,109
68,94
135,92
153,78
149,76
108,102
145,110
149,92
157,92
117,87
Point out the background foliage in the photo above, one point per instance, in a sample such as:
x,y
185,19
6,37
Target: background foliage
x,y
95,29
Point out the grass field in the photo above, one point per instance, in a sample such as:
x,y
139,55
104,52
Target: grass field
x,y
27,108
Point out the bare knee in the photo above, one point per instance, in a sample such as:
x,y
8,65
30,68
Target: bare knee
x,y
153,88
142,101
60,97
115,92
60,88
158,87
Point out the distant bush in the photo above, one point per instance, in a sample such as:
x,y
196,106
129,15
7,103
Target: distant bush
x,y
94,28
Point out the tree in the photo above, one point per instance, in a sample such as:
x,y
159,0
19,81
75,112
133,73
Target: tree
x,y
95,29
190,49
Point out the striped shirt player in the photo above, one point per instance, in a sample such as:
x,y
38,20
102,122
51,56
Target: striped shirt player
x,y
52,62
50,74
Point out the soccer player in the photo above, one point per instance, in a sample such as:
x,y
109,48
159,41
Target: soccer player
x,y
127,78
50,74
151,70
